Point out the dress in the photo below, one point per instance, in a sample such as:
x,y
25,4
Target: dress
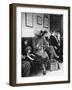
x,y
26,68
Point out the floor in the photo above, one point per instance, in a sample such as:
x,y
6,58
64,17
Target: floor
x,y
52,73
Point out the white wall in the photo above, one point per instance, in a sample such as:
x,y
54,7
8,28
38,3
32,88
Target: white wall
x,y
4,45
35,27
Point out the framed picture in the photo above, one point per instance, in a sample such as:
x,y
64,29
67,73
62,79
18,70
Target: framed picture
x,y
45,22
39,55
29,19
39,20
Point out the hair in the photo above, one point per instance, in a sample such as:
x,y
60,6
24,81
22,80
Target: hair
x,y
28,48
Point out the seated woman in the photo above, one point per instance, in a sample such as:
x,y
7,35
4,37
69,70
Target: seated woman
x,y
27,62
49,46
57,44
32,60
44,49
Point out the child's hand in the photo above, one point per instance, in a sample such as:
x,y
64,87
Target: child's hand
x,y
23,57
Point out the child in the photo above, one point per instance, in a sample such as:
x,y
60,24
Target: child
x,y
30,55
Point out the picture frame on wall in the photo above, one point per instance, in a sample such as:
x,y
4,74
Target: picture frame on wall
x,y
29,19
29,66
45,22
39,20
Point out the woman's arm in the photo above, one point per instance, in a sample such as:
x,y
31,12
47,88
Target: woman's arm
x,y
30,57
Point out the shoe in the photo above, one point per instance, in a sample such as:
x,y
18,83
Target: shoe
x,y
44,72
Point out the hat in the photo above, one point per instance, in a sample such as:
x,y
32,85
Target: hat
x,y
41,33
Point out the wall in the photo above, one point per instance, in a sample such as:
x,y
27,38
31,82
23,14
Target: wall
x,y
36,27
4,45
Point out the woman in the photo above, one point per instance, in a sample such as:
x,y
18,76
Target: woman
x,y
43,58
